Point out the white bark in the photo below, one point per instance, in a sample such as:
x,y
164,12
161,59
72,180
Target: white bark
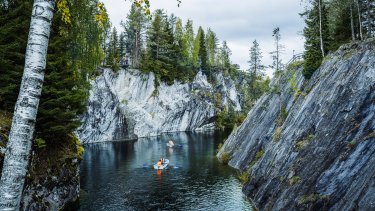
x,y
21,134
320,29
352,21
359,21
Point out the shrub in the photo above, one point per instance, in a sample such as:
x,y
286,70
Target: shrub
x,y
40,143
80,149
259,155
300,145
244,177
282,116
225,157
277,134
294,180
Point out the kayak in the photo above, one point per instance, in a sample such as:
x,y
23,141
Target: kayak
x,y
163,166
170,145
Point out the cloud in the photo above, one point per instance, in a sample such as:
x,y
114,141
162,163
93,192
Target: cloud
x,y
238,22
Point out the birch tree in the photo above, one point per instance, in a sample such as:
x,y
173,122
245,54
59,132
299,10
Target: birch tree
x,y
24,117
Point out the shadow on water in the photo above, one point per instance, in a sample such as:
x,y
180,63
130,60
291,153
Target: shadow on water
x,y
119,175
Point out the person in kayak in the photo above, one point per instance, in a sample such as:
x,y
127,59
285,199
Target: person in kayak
x,y
159,163
162,160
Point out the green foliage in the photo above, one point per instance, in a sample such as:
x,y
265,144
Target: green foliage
x,y
312,198
255,62
282,116
259,155
203,59
64,92
244,177
14,23
219,146
134,28
79,147
5,120
228,118
277,134
301,144
294,180
225,157
40,143
313,55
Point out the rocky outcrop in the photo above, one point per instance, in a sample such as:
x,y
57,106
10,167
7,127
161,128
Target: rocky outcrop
x,y
128,104
310,145
53,182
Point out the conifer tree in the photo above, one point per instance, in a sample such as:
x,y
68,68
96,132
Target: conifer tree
x,y
203,60
14,21
224,57
313,55
279,48
255,61
212,48
134,30
195,52
188,39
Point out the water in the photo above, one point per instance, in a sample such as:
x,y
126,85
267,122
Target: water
x,y
119,176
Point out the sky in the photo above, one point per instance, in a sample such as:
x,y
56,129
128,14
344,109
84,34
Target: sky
x,y
239,22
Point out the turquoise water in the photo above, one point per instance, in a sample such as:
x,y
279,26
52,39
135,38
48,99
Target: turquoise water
x,y
120,176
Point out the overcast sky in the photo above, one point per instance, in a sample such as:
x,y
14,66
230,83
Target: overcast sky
x,y
238,22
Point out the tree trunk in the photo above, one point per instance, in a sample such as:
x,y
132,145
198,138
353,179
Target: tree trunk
x,y
24,117
320,28
359,21
369,23
352,21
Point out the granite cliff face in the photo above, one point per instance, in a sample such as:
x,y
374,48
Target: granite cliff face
x,y
129,104
311,144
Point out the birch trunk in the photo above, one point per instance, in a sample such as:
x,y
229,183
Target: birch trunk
x,y
369,23
359,20
352,21
320,28
24,117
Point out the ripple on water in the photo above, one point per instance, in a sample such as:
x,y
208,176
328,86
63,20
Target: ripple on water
x,y
123,179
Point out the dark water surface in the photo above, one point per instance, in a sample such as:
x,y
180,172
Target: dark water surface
x,y
119,175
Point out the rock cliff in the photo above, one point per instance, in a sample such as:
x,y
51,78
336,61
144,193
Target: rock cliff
x,y
129,104
311,144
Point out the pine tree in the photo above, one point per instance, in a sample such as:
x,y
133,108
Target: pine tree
x,y
195,52
134,30
113,57
279,48
14,21
203,60
255,61
313,55
64,93
188,40
224,57
212,48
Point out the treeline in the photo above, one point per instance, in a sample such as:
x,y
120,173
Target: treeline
x,y
331,23
75,51
168,47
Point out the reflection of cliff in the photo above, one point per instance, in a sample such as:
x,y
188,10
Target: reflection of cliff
x,y
310,144
127,105
120,182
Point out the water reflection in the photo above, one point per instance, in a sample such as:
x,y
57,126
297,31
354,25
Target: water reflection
x,y
119,175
